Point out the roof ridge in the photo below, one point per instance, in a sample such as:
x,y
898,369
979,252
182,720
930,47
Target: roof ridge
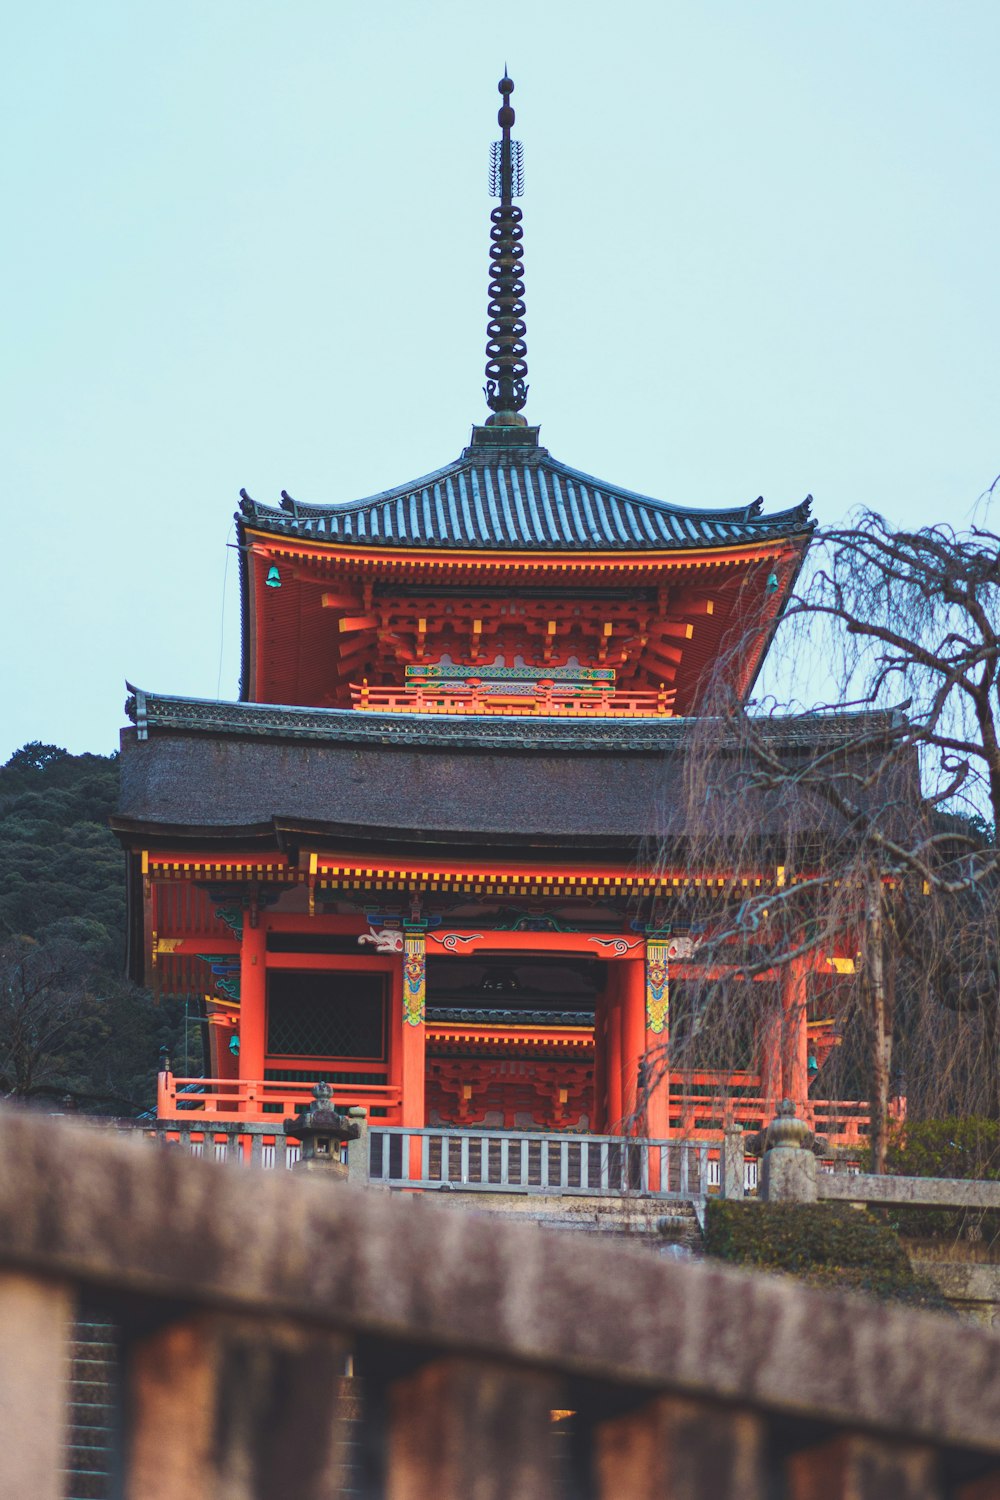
x,y
750,514
234,716
746,514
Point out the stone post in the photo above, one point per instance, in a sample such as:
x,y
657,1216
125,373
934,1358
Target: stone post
x,y
358,1163
732,1171
788,1148
788,1175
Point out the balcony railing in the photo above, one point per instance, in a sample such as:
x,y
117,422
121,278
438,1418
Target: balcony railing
x,y
252,1099
699,1109
551,702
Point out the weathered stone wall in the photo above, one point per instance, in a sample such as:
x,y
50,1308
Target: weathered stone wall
x,y
968,1275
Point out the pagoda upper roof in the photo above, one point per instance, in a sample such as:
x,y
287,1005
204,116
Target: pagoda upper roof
x,y
507,493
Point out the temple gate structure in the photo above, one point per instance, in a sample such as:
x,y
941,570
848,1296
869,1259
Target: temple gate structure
x,y
433,856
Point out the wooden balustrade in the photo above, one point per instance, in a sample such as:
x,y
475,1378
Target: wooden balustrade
x,y
262,1099
241,1297
843,1122
697,1115
551,702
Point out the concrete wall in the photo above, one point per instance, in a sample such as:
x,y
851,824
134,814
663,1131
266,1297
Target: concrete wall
x,y
968,1275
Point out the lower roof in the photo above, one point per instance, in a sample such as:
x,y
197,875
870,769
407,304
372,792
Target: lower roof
x,y
195,770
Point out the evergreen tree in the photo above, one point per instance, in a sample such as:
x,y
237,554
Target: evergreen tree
x,y
70,1024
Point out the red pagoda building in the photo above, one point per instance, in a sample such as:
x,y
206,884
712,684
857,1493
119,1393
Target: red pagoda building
x,y
434,856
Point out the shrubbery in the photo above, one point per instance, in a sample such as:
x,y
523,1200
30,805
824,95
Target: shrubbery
x,y
824,1244
949,1147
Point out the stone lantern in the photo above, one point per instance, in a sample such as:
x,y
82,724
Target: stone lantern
x,y
322,1131
788,1149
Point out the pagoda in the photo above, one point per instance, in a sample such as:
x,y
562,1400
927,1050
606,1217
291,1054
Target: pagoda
x,y
434,856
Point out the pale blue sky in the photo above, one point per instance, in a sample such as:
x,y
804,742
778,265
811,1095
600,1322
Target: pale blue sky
x,y
246,244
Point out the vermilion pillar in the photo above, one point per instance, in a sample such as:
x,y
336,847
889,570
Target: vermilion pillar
x,y
613,1040
657,1004
633,1032
794,1035
413,1042
598,1121
253,1001
223,1063
769,1054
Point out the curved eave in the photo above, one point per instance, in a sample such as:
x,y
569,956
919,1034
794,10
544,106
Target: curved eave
x,y
595,558
284,835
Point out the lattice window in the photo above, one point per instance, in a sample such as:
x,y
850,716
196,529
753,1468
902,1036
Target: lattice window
x,y
340,1014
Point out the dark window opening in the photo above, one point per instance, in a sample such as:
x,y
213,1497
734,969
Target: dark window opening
x,y
338,1014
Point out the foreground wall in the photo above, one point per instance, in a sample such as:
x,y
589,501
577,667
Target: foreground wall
x,y
241,1296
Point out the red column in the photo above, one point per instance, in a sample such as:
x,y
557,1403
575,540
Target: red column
x,y
613,1063
657,1007
769,1055
794,1035
223,1062
253,1008
413,1044
598,1117
394,1043
633,1033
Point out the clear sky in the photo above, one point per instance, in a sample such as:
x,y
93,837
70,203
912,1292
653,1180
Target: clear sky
x,y
246,243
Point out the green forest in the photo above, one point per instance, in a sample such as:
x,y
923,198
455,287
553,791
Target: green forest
x,y
74,1033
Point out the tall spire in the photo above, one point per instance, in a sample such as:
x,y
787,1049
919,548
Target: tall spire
x,y
506,350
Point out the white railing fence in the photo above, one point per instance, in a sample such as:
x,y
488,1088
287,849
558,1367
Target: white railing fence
x,y
491,1161
249,1142
499,1161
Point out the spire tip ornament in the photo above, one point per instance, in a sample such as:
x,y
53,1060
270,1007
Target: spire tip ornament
x,y
506,364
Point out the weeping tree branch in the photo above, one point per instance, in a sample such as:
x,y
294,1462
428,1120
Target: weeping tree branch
x,y
879,798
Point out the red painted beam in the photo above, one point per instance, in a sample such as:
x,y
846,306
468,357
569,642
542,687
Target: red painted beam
x,y
334,962
610,945
171,946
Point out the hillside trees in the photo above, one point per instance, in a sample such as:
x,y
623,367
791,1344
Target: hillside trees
x,y
70,1025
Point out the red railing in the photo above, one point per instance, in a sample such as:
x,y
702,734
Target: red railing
x,y
703,1102
693,1116
251,1099
843,1122
553,701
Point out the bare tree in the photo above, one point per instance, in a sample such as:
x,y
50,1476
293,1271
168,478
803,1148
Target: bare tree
x,y
877,796
43,1010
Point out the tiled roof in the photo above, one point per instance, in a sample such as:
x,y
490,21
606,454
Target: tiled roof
x,y
238,770
152,712
514,495
160,711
